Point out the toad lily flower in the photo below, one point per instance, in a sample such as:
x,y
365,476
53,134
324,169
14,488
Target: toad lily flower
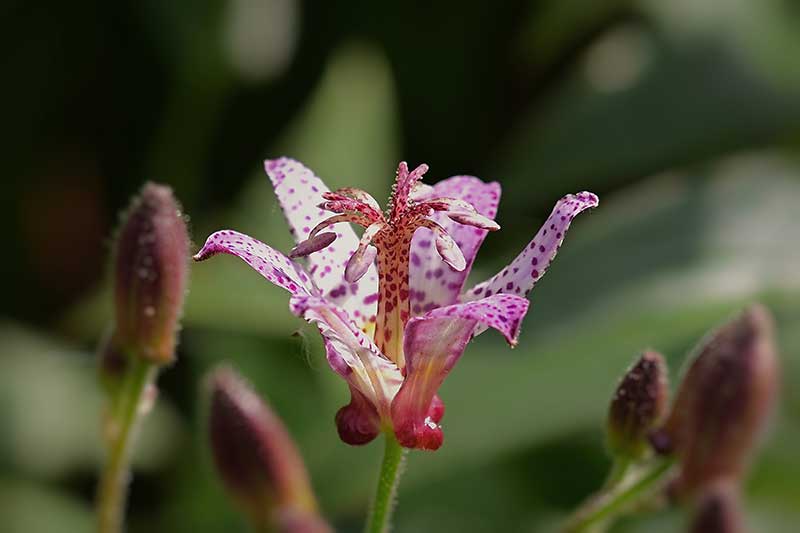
x,y
389,307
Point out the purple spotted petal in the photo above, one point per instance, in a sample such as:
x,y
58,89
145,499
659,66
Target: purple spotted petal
x,y
267,261
299,191
503,312
433,344
530,265
432,282
350,352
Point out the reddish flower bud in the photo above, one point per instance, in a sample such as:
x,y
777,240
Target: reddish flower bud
x,y
257,460
723,402
151,269
639,403
718,510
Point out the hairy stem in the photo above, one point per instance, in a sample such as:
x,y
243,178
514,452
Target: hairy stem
x,y
622,490
619,471
381,514
123,423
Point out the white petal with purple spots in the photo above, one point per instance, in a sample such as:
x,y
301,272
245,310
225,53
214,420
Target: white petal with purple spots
x,y
530,265
503,312
270,263
432,282
299,191
350,352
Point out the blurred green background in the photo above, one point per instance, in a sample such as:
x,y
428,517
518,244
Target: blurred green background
x,y
683,116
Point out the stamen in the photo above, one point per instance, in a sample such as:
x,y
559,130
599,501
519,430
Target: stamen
x,y
450,204
475,219
360,195
312,244
356,218
359,263
362,258
340,203
446,246
462,212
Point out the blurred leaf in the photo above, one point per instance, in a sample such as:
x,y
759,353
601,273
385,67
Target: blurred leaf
x,y
760,32
27,507
556,25
51,407
348,132
679,105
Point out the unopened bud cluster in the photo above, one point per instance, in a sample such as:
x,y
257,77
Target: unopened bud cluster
x,y
719,412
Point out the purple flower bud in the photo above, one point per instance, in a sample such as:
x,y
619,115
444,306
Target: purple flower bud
x,y
639,403
257,459
718,510
151,270
723,402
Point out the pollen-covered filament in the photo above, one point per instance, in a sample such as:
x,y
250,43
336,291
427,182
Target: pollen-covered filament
x,y
388,236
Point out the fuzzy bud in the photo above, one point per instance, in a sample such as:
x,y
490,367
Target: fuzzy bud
x,y
718,510
639,403
257,459
723,402
150,275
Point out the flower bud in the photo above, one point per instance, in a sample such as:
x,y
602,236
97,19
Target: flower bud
x,y
257,460
723,402
150,272
639,403
718,510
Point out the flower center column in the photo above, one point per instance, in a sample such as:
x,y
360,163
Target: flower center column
x,y
393,305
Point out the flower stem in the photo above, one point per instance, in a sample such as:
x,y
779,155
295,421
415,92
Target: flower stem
x,y
622,490
619,471
126,412
381,514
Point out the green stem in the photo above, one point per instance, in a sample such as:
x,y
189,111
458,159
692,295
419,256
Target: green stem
x,y
381,514
625,491
124,417
619,470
